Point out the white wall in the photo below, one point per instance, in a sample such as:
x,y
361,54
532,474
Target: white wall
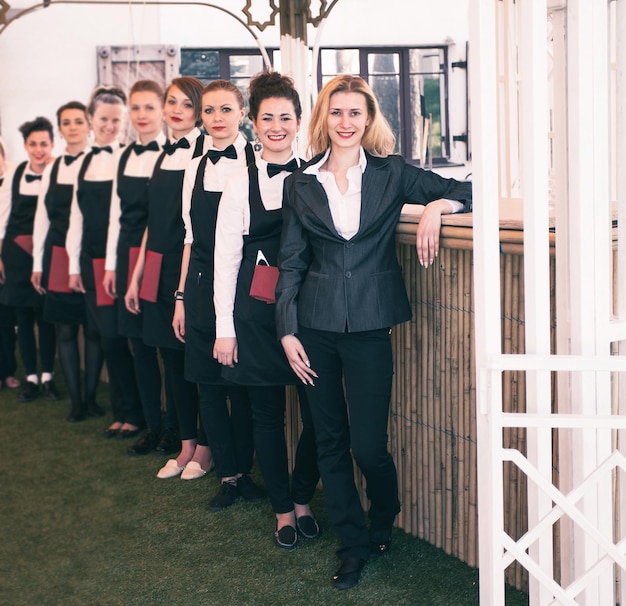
x,y
48,57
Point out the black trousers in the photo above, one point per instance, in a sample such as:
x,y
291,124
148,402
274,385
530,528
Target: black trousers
x,y
355,421
268,420
125,398
69,356
8,364
26,318
185,395
229,431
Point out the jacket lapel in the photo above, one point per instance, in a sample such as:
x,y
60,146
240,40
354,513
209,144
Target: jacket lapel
x,y
312,194
373,189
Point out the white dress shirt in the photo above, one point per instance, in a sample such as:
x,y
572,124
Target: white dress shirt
x,y
66,176
141,165
233,223
215,177
6,193
101,168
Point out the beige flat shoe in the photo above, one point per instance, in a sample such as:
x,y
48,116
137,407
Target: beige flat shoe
x,y
193,471
170,470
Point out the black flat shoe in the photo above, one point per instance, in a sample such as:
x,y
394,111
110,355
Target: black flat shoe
x,y
249,490
30,391
169,442
50,392
286,537
349,573
308,527
94,411
146,443
75,417
109,433
124,434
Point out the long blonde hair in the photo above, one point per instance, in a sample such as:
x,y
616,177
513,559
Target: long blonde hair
x,y
378,139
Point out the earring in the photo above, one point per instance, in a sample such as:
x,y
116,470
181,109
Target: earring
x,y
257,147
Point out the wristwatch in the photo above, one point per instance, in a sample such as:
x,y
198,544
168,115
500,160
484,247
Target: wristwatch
x,y
179,295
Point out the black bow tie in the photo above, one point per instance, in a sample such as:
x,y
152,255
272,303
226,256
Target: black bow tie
x,y
170,148
152,146
31,178
275,169
69,159
216,154
107,148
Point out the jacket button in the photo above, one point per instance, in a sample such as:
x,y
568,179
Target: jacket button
x,y
348,274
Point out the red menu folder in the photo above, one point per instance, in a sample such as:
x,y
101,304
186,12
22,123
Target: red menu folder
x,y
102,299
151,274
59,277
25,242
133,255
264,283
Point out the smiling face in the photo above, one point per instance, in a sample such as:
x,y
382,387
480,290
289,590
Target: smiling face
x,y
276,126
146,114
347,119
74,128
38,146
221,116
106,122
179,112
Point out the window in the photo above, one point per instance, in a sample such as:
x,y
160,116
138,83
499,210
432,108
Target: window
x,y
411,85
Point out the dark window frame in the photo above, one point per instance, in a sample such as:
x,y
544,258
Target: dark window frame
x,y
404,75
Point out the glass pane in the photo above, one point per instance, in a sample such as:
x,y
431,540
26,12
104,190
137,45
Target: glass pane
x,y
340,61
202,64
383,63
425,104
426,60
245,65
387,91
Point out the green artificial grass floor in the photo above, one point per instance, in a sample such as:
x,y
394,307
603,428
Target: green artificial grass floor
x,y
84,524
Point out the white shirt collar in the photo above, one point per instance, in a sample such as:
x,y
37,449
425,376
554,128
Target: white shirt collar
x,y
314,169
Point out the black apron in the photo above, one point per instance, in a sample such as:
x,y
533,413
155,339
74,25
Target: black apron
x,y
59,307
166,233
94,201
133,194
18,264
200,366
262,360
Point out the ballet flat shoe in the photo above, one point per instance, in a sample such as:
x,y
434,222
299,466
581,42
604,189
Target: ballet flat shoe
x,y
170,470
193,471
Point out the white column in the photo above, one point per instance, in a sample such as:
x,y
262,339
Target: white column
x,y
533,126
483,81
588,115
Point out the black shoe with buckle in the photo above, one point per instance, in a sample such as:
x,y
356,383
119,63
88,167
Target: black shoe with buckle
x,y
169,442
226,496
349,573
380,542
248,489
146,443
50,392
29,392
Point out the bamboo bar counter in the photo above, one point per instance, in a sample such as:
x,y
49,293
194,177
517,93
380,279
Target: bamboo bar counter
x,y
432,425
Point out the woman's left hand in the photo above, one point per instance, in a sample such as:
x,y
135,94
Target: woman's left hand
x,y
225,351
427,234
